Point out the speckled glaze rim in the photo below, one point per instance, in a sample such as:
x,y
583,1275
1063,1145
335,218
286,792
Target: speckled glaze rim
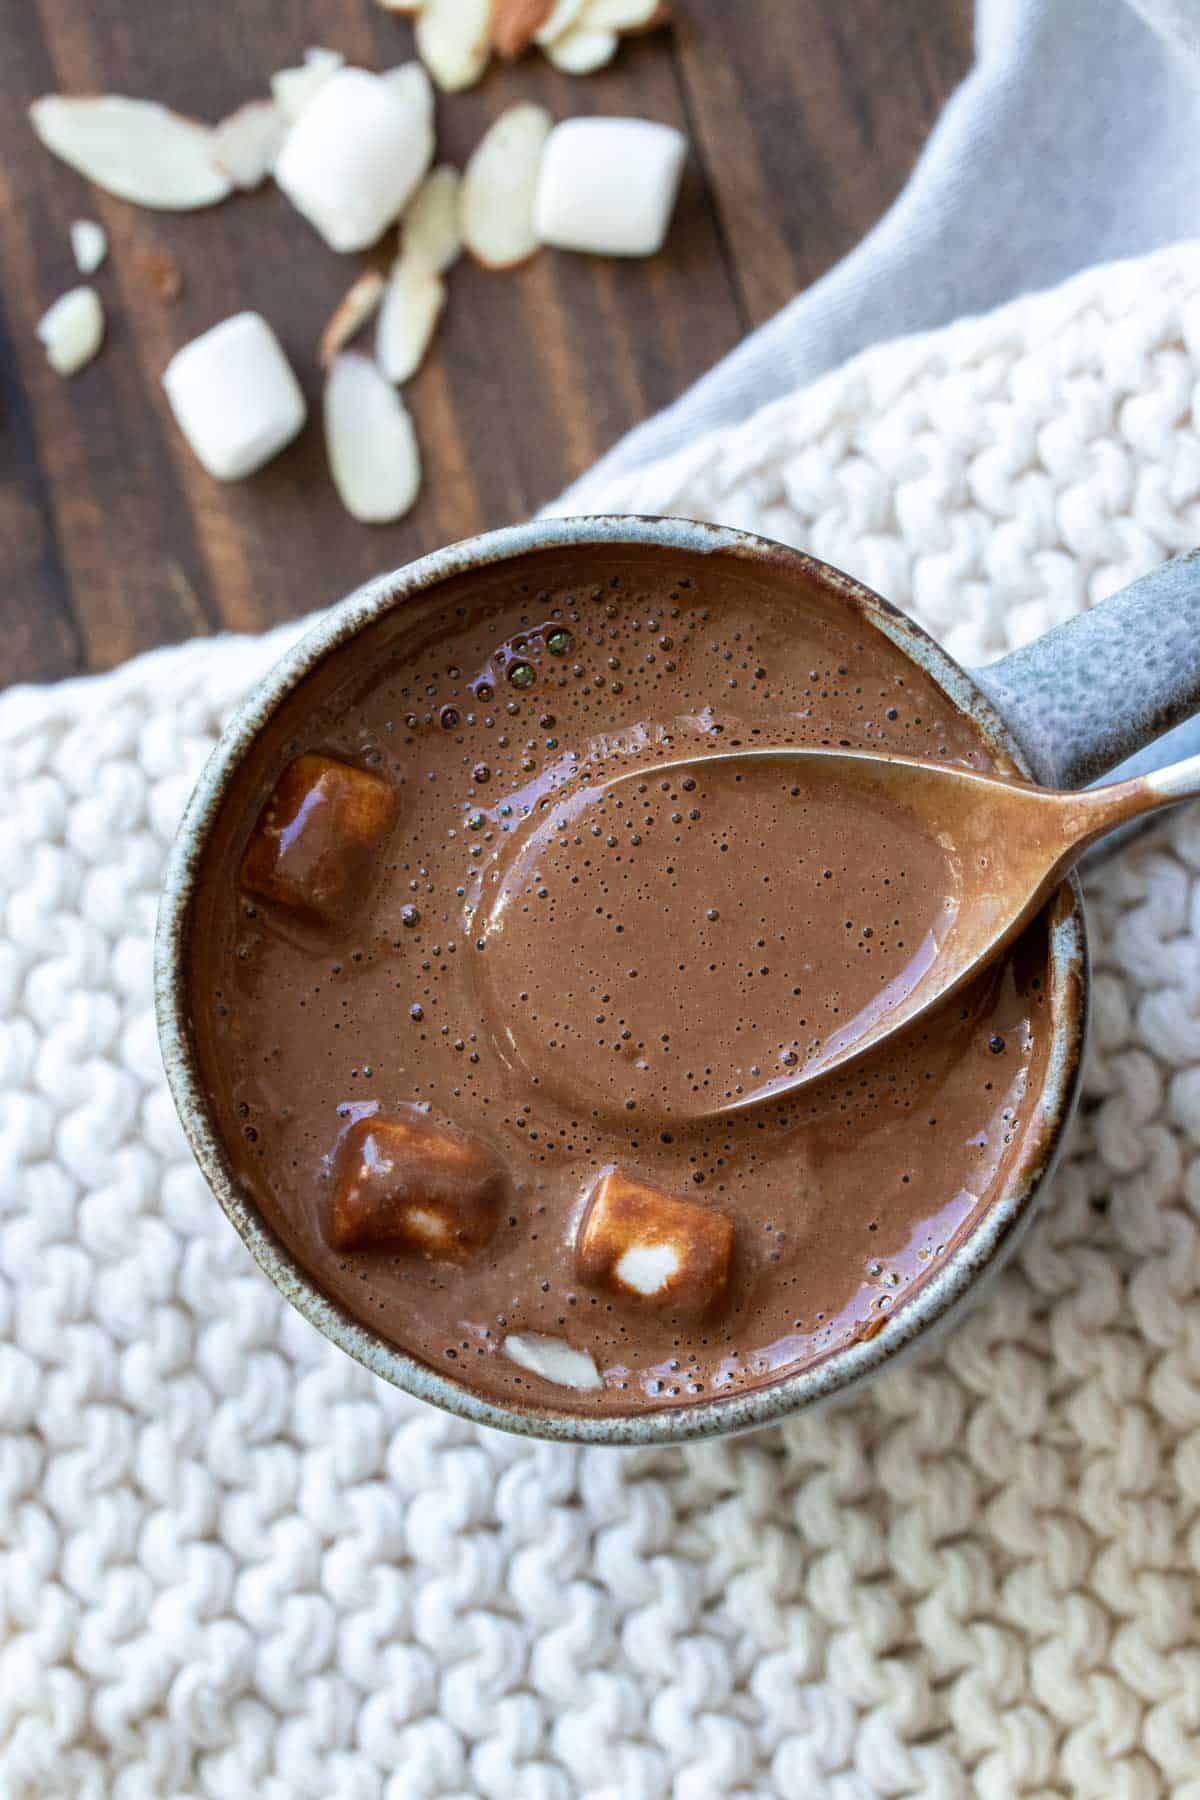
x,y
966,1267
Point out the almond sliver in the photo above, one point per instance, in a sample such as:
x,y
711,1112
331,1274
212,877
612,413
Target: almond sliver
x,y
294,88
515,23
246,143
454,39
563,15
581,51
89,245
350,315
552,1359
412,306
72,330
370,441
429,231
135,149
625,15
499,188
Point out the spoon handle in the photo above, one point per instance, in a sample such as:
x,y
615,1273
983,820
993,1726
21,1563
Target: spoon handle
x,y
1178,781
1098,811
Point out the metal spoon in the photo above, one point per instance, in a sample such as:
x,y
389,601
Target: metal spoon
x,y
1009,844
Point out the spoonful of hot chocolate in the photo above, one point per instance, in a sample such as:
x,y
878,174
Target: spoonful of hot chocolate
x,y
692,937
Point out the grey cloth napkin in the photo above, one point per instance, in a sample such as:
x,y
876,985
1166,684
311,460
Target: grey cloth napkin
x,y
1074,140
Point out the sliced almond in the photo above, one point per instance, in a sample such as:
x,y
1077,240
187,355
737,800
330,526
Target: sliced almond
x,y
350,315
582,52
454,39
89,245
499,188
625,15
135,149
370,441
294,88
515,24
552,1359
430,234
246,143
562,16
72,330
412,306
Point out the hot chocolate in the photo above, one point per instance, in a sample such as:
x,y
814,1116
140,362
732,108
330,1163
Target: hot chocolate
x,y
472,979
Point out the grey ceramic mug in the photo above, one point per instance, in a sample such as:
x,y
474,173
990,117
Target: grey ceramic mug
x,y
1097,691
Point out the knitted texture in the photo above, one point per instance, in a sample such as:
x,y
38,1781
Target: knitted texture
x,y
233,1564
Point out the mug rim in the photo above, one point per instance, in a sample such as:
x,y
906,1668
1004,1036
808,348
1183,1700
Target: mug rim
x,y
958,1279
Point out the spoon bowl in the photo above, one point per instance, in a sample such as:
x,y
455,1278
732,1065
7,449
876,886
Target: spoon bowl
x,y
1005,846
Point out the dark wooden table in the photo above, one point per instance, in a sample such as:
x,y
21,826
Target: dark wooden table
x,y
805,117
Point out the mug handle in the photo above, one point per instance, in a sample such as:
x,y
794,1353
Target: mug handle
x,y
1110,687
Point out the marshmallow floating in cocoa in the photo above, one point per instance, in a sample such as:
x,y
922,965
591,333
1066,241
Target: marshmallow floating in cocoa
x,y
608,186
354,156
234,396
403,1181
650,1247
317,839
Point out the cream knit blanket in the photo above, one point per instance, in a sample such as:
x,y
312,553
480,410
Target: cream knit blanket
x,y
233,1564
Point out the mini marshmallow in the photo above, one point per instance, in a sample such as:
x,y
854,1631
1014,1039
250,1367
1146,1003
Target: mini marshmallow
x,y
609,186
315,842
234,396
405,1182
652,1248
354,156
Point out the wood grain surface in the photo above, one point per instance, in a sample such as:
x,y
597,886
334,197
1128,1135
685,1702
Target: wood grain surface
x,y
805,117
